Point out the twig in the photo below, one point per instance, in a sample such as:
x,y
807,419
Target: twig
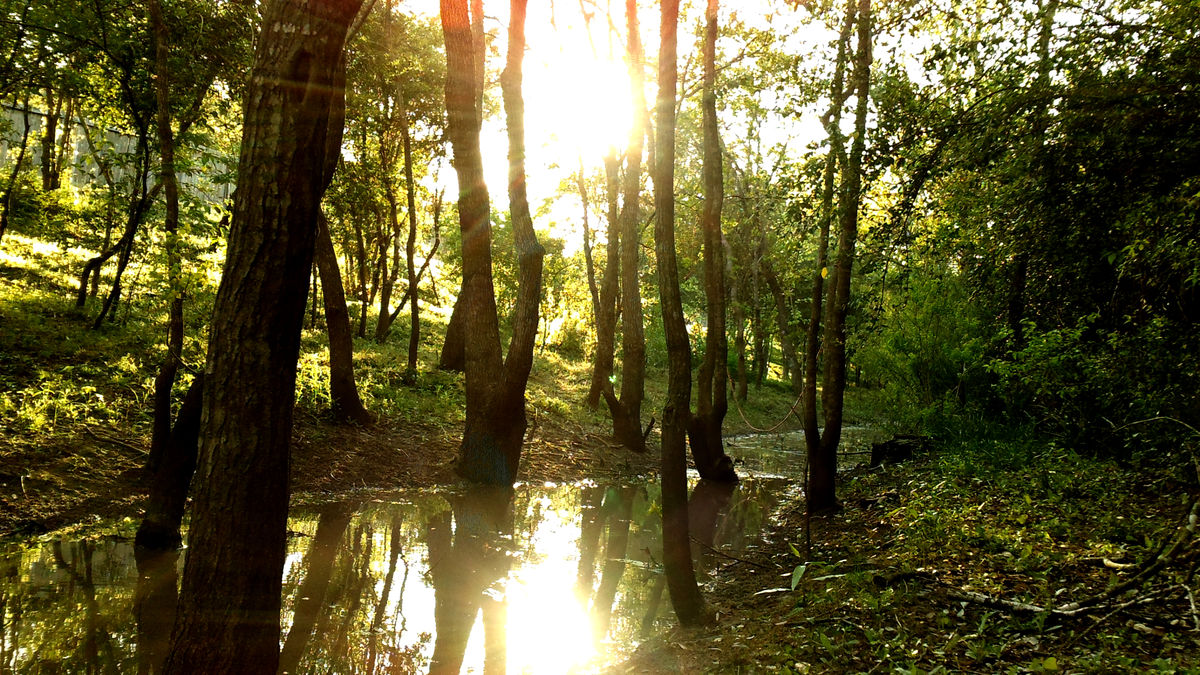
x,y
732,557
1192,601
115,441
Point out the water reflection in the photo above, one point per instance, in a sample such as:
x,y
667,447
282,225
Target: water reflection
x,y
546,578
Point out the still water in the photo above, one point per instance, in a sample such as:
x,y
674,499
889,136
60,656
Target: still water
x,y
543,579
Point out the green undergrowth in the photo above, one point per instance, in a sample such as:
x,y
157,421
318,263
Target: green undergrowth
x,y
60,378
1009,516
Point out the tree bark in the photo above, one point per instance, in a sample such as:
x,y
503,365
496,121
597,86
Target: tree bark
x,y
139,205
704,428
410,244
229,606
49,165
677,553
820,490
739,341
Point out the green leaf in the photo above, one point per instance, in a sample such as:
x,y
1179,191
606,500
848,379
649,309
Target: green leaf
x,y
797,574
1050,663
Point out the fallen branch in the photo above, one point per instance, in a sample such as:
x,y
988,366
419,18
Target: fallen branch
x,y
115,441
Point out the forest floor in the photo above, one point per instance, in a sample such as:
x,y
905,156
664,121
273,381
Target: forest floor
x,y
957,562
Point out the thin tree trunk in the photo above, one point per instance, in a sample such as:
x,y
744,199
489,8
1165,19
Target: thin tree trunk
x,y
704,428
519,360
454,352
388,277
822,468
364,299
172,477
604,309
165,380
49,131
739,341
14,175
627,412
784,316
822,495
345,402
677,553
410,245
138,208
229,605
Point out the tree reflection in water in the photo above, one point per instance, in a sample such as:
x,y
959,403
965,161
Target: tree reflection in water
x,y
549,578
468,554
154,605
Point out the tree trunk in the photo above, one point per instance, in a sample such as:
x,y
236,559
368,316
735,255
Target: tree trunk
x,y
454,351
14,175
344,400
230,598
820,489
784,316
704,429
165,381
139,204
49,131
604,302
364,298
410,245
739,341
677,553
495,385
822,494
627,412
172,477
388,276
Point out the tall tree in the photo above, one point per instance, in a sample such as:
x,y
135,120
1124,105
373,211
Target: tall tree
x,y
677,552
345,402
229,605
626,411
495,384
704,429
454,354
169,369
822,495
604,310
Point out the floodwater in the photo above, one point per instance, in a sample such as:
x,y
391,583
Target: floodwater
x,y
542,579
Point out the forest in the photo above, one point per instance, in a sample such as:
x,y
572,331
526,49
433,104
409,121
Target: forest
x,y
797,336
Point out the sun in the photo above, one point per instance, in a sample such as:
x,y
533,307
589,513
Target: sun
x,y
577,93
